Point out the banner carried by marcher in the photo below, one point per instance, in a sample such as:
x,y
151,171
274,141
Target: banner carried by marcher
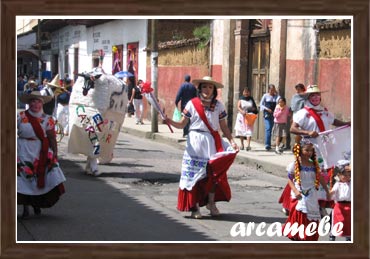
x,y
334,145
96,118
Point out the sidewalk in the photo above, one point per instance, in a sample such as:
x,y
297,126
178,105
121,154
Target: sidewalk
x,y
258,157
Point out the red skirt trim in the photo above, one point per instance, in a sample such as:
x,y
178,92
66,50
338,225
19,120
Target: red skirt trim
x,y
285,197
326,204
187,200
342,213
300,218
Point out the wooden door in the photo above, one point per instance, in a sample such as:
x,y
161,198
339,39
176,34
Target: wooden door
x,y
259,69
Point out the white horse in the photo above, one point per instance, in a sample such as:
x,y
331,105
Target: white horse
x,y
97,110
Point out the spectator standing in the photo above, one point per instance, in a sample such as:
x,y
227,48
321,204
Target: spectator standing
x,y
281,114
137,100
20,89
130,87
243,125
186,92
267,106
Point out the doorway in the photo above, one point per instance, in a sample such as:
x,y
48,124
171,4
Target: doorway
x,y
259,67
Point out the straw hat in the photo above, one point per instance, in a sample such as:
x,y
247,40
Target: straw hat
x,y
55,83
208,80
27,96
312,89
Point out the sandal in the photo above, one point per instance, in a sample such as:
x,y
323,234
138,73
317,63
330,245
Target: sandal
x,y
213,209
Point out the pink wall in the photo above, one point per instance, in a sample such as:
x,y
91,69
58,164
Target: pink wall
x,y
169,81
334,77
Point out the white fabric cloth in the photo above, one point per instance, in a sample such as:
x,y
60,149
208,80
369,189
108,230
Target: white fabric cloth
x,y
242,129
334,145
200,144
342,191
307,122
309,203
63,117
28,150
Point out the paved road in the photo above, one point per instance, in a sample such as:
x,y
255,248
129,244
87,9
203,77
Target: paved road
x,y
135,200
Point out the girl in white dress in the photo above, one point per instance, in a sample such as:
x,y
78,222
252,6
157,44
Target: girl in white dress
x,y
243,129
341,194
39,177
194,188
304,179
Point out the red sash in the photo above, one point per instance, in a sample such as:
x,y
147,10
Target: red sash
x,y
317,118
40,170
199,108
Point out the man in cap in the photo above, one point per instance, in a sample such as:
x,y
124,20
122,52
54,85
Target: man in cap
x,y
186,92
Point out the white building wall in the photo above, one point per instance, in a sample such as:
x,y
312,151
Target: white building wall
x,y
275,45
301,40
102,36
217,42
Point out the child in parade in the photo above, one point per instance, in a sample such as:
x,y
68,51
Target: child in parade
x,y
341,194
304,179
207,115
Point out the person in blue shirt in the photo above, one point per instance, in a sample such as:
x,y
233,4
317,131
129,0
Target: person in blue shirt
x,y
267,105
186,92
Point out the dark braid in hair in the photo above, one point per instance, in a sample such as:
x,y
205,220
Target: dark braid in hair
x,y
297,151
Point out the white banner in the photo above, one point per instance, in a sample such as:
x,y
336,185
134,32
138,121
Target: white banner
x,y
334,145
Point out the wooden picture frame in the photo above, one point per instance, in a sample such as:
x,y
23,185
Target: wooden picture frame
x,y
360,11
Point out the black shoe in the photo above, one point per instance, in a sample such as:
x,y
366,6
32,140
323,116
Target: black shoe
x,y
36,210
268,148
348,238
26,212
331,238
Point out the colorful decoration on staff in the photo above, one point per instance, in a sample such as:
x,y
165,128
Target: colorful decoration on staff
x,y
147,91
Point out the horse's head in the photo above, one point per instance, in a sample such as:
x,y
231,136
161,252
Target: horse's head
x,y
89,79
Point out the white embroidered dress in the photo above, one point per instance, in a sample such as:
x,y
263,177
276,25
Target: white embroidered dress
x,y
28,151
309,203
200,144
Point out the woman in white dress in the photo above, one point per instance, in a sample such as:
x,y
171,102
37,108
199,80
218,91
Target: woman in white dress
x,y
243,129
39,177
196,188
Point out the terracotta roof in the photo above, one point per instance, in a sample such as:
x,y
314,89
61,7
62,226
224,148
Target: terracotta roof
x,y
335,24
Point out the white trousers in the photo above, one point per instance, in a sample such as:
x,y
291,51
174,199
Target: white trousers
x,y
139,107
63,117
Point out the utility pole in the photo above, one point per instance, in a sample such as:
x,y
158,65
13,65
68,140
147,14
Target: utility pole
x,y
154,73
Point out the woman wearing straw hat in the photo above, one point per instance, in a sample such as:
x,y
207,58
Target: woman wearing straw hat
x,y
206,115
312,119
39,177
